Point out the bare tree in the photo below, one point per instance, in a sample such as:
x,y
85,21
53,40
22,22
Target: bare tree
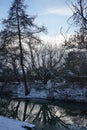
x,y
17,27
79,17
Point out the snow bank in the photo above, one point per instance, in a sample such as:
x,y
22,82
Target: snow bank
x,y
10,124
72,93
59,91
38,94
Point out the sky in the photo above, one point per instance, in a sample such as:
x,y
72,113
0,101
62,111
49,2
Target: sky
x,y
51,13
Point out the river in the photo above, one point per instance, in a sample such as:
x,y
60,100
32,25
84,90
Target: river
x,y
46,115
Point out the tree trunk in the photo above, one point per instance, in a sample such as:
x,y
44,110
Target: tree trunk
x,y
21,54
22,65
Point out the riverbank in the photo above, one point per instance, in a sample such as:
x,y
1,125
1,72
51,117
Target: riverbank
x,y
11,124
50,91
58,91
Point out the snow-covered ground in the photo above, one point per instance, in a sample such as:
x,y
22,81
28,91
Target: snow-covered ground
x,y
59,91
10,124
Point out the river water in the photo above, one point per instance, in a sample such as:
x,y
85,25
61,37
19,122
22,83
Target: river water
x,y
46,115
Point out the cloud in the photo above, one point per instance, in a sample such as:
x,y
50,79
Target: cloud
x,y
55,39
58,11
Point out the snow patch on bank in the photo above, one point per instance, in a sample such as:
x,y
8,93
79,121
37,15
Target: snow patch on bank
x,y
10,124
55,91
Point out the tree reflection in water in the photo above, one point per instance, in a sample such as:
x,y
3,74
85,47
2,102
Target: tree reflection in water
x,y
32,112
46,114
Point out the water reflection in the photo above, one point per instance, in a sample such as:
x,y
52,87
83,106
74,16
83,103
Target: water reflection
x,y
43,115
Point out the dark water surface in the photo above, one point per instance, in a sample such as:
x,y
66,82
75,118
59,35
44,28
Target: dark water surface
x,y
47,115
